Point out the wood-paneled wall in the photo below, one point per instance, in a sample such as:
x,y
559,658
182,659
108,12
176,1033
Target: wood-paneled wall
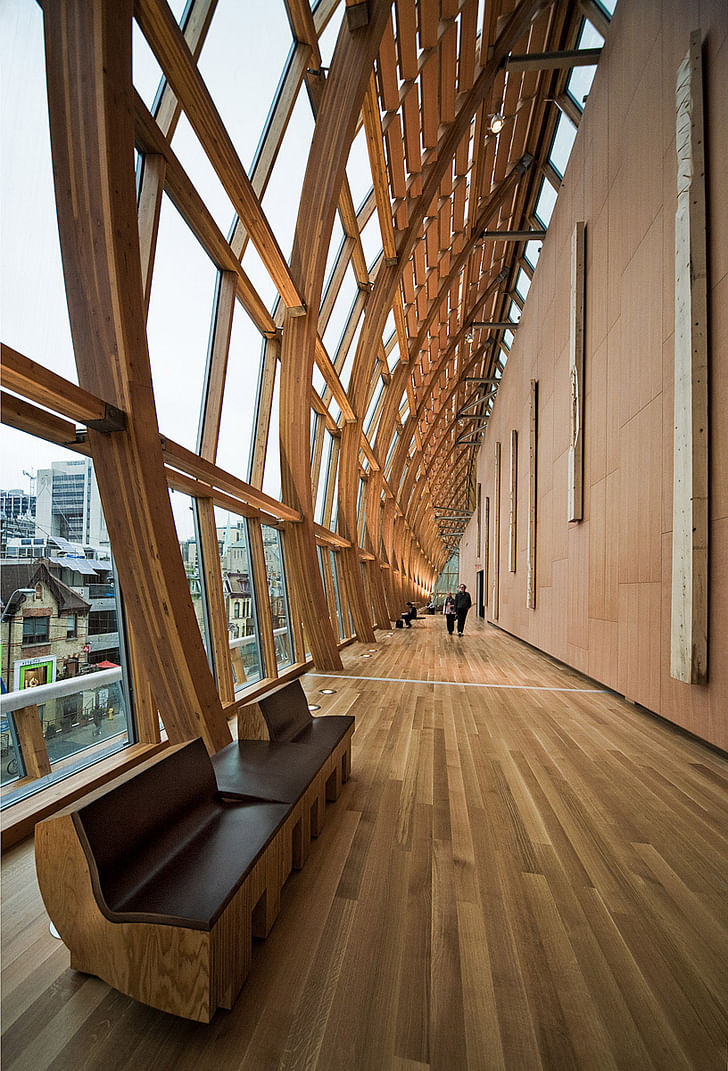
x,y
604,584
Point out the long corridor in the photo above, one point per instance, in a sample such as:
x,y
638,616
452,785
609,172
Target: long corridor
x,y
523,872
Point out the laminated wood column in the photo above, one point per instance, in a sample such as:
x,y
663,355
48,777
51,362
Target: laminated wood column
x,y
90,103
32,742
690,518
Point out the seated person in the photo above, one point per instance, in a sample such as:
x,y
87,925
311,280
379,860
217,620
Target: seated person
x,y
409,614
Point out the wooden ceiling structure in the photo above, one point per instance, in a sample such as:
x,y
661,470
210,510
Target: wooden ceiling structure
x,y
403,408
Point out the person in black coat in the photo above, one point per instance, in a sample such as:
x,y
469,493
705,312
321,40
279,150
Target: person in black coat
x,y
463,602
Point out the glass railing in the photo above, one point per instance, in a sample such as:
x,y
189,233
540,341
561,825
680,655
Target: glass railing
x,y
53,730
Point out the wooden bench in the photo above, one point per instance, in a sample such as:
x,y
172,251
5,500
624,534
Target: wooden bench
x,y
157,884
305,761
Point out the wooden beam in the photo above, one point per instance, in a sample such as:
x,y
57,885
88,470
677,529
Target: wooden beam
x,y
576,375
552,61
691,506
90,107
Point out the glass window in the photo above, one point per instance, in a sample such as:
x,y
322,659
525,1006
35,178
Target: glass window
x,y
183,510
580,80
272,471
327,40
178,326
48,632
358,170
371,240
146,72
30,247
242,60
337,237
36,630
278,595
323,479
523,284
340,313
345,630
204,178
545,203
280,201
532,252
238,405
562,144
239,594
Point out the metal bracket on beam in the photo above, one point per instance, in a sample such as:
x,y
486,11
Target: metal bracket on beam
x,y
113,420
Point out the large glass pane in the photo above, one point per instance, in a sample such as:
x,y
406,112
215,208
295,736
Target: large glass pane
x,y
278,595
340,313
178,327
281,198
580,80
545,203
61,628
337,595
238,406
34,309
358,170
239,595
146,72
183,510
562,144
242,60
202,174
272,471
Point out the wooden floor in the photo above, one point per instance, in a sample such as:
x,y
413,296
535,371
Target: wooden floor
x,y
523,872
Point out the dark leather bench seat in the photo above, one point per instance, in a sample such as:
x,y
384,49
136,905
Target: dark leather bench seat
x,y
265,770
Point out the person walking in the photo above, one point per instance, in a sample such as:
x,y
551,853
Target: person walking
x,y
463,602
449,612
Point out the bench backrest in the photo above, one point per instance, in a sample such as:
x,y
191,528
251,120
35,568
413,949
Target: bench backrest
x,y
123,819
285,710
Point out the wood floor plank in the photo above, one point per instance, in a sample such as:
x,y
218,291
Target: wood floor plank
x,y
523,872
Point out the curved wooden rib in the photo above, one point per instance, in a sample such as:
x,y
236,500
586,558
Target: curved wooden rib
x,y
88,60
335,125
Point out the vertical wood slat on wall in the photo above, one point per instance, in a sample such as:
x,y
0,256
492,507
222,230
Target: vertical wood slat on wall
x,y
496,532
689,625
486,550
576,374
513,504
532,461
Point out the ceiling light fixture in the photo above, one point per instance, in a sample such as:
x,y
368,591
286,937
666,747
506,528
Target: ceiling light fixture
x,y
497,122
